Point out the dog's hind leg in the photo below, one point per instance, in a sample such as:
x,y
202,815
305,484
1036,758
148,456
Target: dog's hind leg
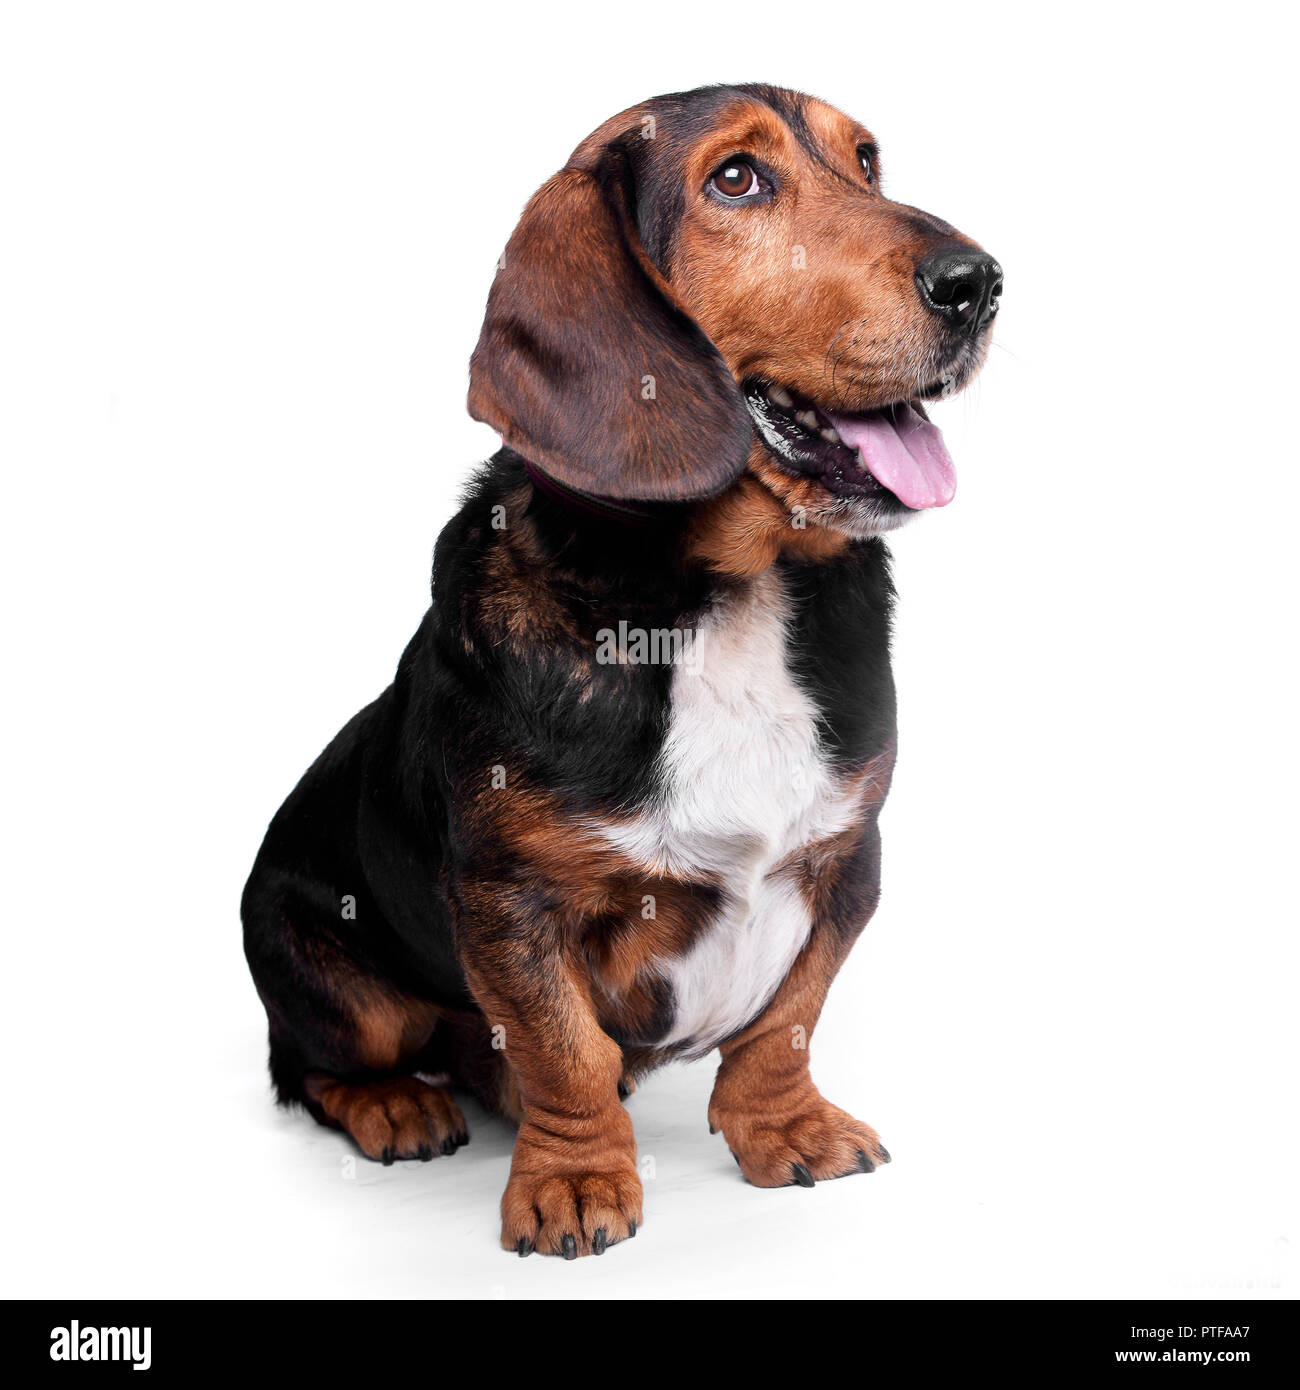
x,y
344,1043
402,1117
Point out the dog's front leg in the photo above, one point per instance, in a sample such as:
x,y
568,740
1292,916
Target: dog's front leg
x,y
775,1120
574,1187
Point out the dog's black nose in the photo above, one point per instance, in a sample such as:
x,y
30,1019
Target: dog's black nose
x,y
962,286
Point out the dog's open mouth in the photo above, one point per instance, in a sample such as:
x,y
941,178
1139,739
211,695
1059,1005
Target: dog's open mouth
x,y
891,452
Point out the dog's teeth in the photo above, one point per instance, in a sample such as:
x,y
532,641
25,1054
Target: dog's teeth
x,y
778,395
807,419
830,435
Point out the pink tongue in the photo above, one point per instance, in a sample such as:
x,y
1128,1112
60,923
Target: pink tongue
x,y
904,452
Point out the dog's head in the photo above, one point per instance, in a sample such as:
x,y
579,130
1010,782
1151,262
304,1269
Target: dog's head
x,y
715,283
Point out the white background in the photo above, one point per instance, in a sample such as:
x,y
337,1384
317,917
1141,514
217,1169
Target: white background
x,y
245,253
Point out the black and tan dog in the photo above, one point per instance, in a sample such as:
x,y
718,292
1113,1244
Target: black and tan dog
x,y
619,804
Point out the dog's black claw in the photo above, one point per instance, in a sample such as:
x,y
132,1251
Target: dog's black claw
x,y
448,1146
803,1177
462,1139
599,1241
525,1247
712,1130
386,1158
624,1090
424,1153
865,1163
631,1229
569,1248
884,1155
735,1155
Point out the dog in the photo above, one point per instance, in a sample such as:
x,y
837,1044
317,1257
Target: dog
x,y
619,805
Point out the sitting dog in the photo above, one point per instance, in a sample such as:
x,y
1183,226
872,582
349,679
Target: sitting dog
x,y
619,805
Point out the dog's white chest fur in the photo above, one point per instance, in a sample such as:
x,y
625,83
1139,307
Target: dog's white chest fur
x,y
744,785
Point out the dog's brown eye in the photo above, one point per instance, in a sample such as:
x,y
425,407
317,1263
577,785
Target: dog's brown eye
x,y
736,179
867,161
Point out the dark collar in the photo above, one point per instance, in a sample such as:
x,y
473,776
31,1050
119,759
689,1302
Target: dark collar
x,y
608,508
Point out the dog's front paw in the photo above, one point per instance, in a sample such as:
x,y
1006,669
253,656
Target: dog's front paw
x,y
809,1140
570,1213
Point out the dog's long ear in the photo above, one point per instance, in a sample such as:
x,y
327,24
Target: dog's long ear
x,y
587,368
